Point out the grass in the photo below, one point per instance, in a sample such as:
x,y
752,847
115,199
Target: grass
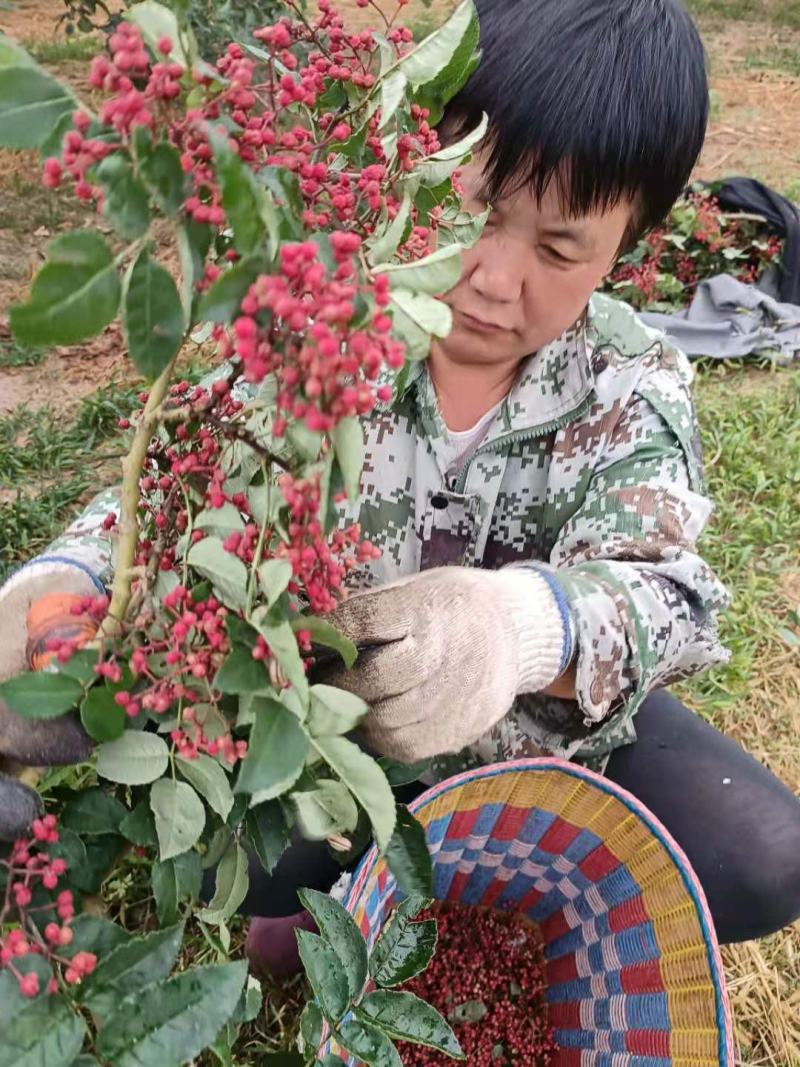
x,y
13,354
784,14
786,60
63,50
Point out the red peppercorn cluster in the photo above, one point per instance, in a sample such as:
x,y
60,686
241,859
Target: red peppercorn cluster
x,y
29,866
487,979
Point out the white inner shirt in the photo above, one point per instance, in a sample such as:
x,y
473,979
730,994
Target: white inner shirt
x,y
461,444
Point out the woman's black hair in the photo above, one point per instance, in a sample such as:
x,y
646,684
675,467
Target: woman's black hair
x,y
609,98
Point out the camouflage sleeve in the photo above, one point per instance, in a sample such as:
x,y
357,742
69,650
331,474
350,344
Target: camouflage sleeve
x,y
644,604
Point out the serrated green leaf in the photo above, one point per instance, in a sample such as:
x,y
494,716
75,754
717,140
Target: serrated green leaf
x,y
404,948
243,199
220,521
325,975
435,274
173,1021
13,55
384,245
283,645
103,719
365,780
274,576
225,571
311,1023
427,314
433,54
340,930
74,296
325,633
276,751
408,855
368,1044
326,809
129,968
222,300
348,445
35,695
92,812
240,673
404,1017
438,167
161,172
179,814
139,827
93,933
194,241
31,105
125,201
334,711
393,88
153,318
268,832
403,773
210,781
136,758
231,886
40,1032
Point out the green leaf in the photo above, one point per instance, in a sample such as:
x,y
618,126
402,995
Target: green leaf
x,y
273,577
157,21
74,296
152,316
35,695
403,773
368,1044
250,1002
325,633
93,933
404,948
194,241
393,88
161,172
210,781
31,105
311,1023
268,832
139,827
433,54
334,711
435,274
348,445
230,888
408,856
426,313
222,300
125,203
365,780
438,167
173,1021
243,199
179,814
220,521
174,881
40,1032
283,645
338,928
240,673
384,245
92,812
136,758
12,55
276,751
225,571
102,852
130,967
326,809
103,719
405,1017
325,975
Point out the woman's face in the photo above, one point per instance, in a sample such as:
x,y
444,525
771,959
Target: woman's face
x,y
531,274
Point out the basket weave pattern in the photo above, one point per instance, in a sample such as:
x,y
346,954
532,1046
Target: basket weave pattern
x,y
633,969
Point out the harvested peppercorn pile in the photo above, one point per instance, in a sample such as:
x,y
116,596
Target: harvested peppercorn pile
x,y
487,979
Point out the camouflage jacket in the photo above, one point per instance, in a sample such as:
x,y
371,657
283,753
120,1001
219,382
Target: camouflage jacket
x,y
592,470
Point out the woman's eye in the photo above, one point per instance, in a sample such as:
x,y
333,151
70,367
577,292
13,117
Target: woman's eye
x,y
556,256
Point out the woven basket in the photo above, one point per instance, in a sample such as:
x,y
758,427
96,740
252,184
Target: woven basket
x,y
633,969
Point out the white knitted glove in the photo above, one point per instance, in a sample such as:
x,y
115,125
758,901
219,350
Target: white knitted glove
x,y
456,645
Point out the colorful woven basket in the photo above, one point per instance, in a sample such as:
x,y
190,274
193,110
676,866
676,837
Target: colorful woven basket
x,y
634,973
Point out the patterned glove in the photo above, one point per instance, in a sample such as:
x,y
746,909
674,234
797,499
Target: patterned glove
x,y
445,653
30,613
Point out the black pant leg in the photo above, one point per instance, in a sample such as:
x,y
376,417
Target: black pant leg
x,y
738,824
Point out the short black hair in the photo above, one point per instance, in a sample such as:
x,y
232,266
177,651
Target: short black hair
x,y
608,97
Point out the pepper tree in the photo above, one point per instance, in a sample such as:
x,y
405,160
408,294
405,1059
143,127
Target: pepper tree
x,y
293,203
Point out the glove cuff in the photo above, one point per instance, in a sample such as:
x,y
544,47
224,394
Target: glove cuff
x,y
538,614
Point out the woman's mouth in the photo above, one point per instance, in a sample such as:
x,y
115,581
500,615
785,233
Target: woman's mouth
x,y
479,325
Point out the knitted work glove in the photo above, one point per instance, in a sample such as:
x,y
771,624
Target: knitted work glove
x,y
35,605
451,649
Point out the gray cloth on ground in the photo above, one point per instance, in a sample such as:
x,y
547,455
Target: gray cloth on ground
x,y
729,319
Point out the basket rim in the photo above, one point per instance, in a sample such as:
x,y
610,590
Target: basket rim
x,y
656,827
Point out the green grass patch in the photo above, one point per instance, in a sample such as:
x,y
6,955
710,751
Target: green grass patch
x,y
750,423
780,13
785,60
13,354
64,49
